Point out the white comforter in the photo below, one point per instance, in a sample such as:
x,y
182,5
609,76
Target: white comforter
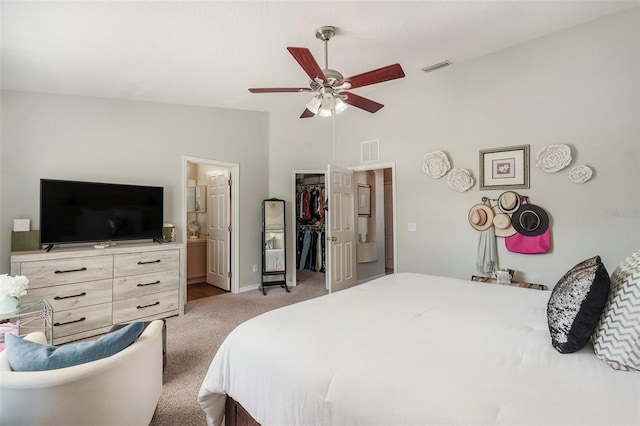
x,y
410,349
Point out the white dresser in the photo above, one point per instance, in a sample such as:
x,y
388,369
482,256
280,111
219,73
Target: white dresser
x,y
90,289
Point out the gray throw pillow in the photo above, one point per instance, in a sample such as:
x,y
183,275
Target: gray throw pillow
x,y
616,340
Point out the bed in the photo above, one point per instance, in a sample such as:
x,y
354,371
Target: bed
x,y
413,349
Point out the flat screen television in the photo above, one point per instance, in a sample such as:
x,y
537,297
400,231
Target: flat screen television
x,y
82,212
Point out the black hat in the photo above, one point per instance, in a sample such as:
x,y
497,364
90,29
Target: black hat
x,y
530,220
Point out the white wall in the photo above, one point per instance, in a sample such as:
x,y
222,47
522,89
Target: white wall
x,y
76,138
578,87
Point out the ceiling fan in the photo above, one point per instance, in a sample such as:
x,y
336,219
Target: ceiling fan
x,y
330,87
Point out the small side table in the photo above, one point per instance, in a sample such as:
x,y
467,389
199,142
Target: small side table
x,y
491,280
31,317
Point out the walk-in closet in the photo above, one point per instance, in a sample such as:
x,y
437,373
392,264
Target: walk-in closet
x,y
310,213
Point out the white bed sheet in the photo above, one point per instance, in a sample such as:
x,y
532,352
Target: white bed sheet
x,y
411,349
274,260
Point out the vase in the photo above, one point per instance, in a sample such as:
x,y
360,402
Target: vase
x,y
9,305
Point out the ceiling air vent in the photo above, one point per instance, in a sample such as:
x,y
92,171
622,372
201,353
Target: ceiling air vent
x,y
436,66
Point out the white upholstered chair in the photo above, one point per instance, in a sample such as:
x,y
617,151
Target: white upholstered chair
x,y
122,389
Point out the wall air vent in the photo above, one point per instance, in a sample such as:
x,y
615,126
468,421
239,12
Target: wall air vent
x,y
369,151
436,66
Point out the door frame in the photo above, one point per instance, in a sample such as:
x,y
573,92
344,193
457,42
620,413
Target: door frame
x,y
379,166
234,172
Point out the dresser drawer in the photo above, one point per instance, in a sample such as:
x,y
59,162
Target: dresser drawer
x,y
71,296
152,304
80,320
146,262
66,271
140,285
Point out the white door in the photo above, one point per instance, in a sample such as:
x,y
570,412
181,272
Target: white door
x,y
219,230
341,244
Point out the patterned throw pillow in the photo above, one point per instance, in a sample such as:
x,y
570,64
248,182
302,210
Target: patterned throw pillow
x,y
576,304
617,337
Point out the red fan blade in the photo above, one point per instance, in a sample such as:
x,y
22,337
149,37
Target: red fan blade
x,y
380,75
279,89
307,62
360,102
307,114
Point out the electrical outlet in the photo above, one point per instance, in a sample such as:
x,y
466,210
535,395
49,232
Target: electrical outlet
x,y
412,227
255,268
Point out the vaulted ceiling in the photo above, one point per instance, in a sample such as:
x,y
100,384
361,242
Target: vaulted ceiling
x,y
209,52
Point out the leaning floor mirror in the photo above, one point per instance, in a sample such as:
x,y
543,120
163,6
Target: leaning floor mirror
x,y
274,247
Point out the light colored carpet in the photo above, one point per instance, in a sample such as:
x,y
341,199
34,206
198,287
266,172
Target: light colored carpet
x,y
194,338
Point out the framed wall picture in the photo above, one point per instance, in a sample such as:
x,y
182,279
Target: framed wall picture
x,y
504,168
364,200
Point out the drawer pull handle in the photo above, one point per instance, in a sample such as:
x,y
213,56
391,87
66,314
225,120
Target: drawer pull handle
x,y
70,270
151,261
147,306
84,293
69,322
153,283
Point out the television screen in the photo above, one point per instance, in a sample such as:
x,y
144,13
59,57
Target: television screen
x,y
77,212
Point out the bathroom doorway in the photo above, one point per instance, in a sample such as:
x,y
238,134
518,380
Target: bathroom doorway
x,y
209,212
375,226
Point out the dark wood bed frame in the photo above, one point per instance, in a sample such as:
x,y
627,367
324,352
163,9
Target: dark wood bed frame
x,y
236,415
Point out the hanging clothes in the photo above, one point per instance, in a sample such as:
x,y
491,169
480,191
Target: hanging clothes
x,y
310,211
487,260
322,249
306,245
299,241
313,250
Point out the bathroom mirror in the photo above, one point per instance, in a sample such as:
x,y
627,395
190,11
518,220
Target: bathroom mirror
x,y
197,199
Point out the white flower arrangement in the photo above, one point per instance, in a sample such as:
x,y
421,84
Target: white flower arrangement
x,y
13,286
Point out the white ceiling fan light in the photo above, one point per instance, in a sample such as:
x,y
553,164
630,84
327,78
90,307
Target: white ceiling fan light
x,y
322,105
328,101
314,104
341,106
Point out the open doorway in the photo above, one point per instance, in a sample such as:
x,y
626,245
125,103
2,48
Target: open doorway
x,y
308,218
210,188
375,224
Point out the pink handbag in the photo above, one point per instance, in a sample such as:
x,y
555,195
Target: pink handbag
x,y
518,243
